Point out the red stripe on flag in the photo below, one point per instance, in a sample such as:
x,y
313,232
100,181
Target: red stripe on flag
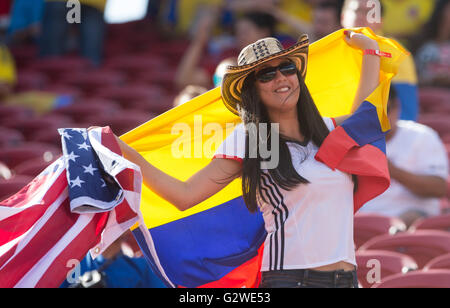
x,y
76,249
16,225
53,230
26,194
126,179
109,140
124,212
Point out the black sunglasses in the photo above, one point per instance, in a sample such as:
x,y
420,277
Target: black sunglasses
x,y
268,74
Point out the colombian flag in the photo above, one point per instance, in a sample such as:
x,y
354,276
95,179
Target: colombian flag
x,y
218,243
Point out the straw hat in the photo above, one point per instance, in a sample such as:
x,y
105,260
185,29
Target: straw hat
x,y
254,55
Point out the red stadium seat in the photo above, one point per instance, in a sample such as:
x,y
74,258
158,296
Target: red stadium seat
x,y
125,94
54,67
29,127
441,222
85,108
30,80
390,263
367,226
431,98
9,112
422,245
441,262
33,167
123,122
418,279
93,79
13,185
10,137
30,150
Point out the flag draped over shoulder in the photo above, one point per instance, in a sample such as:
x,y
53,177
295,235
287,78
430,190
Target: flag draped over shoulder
x,y
84,200
218,243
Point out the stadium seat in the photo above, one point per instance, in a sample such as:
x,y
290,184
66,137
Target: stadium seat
x,y
29,127
441,222
431,98
441,262
54,67
418,279
30,80
121,123
367,226
10,137
9,112
390,263
422,245
12,186
128,93
90,80
34,166
13,156
85,108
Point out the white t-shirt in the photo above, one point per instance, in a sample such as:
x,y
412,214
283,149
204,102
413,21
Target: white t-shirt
x,y
415,148
311,225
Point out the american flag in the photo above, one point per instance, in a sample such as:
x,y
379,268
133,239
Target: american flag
x,y
82,202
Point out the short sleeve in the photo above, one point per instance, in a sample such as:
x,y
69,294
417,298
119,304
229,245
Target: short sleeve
x,y
233,146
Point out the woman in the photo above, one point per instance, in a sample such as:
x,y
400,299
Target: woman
x,y
307,245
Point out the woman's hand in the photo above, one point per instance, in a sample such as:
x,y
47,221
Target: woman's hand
x,y
361,41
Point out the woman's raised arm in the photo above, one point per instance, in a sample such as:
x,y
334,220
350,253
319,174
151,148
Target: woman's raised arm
x,y
370,70
185,194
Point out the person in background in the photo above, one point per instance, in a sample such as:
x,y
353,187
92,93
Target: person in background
x,y
433,58
418,166
405,18
25,24
187,94
360,13
194,69
55,29
117,267
325,19
39,101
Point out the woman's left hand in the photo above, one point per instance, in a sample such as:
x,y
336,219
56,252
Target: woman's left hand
x,y
361,41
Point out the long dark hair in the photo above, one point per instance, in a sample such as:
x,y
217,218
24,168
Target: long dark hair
x,y
312,127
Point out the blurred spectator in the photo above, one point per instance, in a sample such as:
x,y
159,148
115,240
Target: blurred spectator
x,y
37,100
325,19
55,29
5,8
433,58
7,73
25,25
115,269
187,94
359,13
404,19
194,68
418,166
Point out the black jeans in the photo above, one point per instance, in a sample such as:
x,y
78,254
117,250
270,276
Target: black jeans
x,y
309,279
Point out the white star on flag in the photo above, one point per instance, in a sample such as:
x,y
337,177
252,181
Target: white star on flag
x,y
72,156
77,182
83,146
66,135
89,169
